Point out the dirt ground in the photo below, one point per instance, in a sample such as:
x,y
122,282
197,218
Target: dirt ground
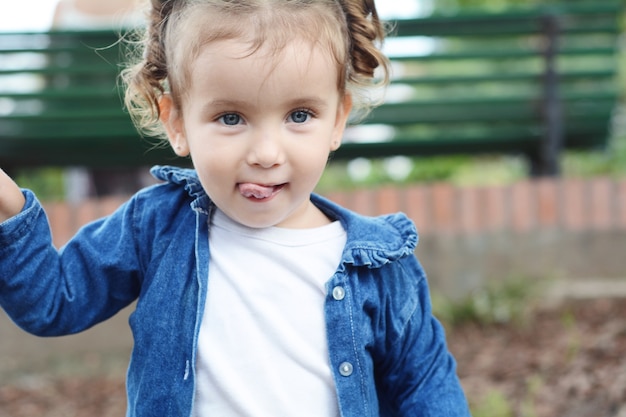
x,y
563,362
568,361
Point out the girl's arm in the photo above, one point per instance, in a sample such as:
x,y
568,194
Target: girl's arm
x,y
11,197
50,292
419,373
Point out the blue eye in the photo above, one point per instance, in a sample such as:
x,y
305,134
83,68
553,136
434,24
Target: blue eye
x,y
230,119
300,116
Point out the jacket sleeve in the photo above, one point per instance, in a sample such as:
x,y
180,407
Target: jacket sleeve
x,y
417,373
49,292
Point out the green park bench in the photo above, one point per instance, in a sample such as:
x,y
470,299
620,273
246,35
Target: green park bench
x,y
531,82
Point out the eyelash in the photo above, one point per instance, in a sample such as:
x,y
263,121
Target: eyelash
x,y
221,118
310,113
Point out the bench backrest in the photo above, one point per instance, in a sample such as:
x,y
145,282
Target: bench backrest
x,y
527,82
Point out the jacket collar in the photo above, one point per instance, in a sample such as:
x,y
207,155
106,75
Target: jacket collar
x,y
372,241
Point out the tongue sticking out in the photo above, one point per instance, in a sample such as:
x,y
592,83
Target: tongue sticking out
x,y
256,191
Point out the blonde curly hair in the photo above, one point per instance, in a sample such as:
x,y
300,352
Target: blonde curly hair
x,y
177,30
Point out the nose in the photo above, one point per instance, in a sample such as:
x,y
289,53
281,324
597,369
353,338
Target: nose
x,y
266,149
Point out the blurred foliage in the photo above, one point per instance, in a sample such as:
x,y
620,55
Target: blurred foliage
x,y
509,301
462,170
47,183
589,164
478,170
494,404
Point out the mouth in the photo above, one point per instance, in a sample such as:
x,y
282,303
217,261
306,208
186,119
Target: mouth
x,y
259,192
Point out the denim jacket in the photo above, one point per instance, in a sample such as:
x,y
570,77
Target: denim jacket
x,y
388,354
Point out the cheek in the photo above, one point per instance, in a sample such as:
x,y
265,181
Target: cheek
x,y
213,167
311,168
213,170
210,154
215,180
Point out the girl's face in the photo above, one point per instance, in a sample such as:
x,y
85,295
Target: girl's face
x,y
259,128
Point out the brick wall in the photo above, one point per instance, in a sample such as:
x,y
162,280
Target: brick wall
x,y
597,204
569,205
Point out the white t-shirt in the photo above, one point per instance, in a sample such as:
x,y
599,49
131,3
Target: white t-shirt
x,y
262,348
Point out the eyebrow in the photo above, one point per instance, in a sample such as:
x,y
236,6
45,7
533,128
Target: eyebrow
x,y
315,102
311,101
224,103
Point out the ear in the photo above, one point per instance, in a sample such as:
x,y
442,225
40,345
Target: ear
x,y
343,111
172,121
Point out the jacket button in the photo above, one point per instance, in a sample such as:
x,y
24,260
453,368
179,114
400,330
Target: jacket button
x,y
339,293
346,369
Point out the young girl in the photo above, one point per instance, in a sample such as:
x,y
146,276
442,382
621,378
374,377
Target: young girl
x,y
255,297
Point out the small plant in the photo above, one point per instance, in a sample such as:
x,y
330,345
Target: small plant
x,y
534,385
503,302
494,404
574,337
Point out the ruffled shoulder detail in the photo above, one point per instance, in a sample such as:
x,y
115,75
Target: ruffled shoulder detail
x,y
187,178
373,241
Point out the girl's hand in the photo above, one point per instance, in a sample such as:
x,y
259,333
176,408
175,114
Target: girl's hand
x,y
11,198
